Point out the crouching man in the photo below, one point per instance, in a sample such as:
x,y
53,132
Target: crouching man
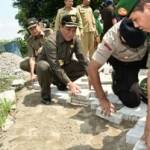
x,y
125,48
56,63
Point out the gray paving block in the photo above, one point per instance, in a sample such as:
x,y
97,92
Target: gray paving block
x,y
140,145
141,121
83,85
95,104
134,113
65,98
57,94
134,134
105,79
9,95
84,79
83,95
114,118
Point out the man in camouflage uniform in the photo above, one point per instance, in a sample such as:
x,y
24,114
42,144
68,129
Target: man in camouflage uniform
x,y
56,64
124,47
34,45
89,28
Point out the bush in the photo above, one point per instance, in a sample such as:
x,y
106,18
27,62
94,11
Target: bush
x,y
23,46
5,107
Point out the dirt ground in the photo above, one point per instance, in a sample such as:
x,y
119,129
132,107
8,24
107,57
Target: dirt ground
x,y
60,127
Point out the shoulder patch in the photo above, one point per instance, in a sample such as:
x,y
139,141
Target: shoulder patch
x,y
108,47
122,11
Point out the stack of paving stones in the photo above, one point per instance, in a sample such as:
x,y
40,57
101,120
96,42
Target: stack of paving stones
x,y
88,98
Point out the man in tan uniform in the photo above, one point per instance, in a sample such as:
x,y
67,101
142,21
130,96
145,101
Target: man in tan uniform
x,y
125,48
34,45
89,27
68,10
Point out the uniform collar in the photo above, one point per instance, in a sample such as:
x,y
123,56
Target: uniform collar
x,y
67,9
85,6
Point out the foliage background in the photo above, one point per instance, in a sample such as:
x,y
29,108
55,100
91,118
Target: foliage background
x,y
42,9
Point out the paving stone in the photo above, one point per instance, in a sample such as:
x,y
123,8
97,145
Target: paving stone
x,y
141,121
18,84
36,86
105,79
79,102
57,94
134,113
64,99
92,93
95,104
9,95
134,134
83,95
140,145
113,98
114,118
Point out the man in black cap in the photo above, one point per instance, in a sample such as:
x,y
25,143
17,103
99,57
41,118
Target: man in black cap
x,y
56,64
124,47
35,45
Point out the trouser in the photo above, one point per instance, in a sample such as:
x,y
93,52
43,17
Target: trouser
x,y
125,81
87,40
46,76
24,65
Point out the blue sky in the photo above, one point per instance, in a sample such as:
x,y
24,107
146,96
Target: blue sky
x,y
8,24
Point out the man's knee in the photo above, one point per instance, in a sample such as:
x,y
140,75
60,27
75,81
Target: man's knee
x,y
24,65
43,66
129,99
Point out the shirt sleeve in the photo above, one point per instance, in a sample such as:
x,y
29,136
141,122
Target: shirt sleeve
x,y
57,20
49,53
30,49
106,47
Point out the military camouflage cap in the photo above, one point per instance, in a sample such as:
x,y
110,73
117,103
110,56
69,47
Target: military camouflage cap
x,y
69,21
124,7
31,22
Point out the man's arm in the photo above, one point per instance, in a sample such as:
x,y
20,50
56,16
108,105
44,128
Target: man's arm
x,y
94,78
57,20
147,125
32,67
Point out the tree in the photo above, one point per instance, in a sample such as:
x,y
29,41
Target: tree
x,y
42,9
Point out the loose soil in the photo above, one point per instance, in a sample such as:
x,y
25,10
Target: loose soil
x,y
60,127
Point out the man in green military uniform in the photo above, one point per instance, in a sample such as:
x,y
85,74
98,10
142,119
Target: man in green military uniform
x,y
35,45
56,64
139,13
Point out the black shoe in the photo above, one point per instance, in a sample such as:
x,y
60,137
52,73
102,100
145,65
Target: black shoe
x,y
46,100
62,87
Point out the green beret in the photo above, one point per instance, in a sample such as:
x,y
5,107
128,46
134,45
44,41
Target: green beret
x,y
124,7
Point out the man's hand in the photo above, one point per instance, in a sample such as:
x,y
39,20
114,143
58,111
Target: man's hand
x,y
147,132
74,88
33,77
107,107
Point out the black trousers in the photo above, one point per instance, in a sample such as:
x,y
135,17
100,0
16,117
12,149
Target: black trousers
x,y
125,81
74,70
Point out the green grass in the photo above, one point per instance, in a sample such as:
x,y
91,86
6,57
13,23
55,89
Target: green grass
x,y
5,82
5,107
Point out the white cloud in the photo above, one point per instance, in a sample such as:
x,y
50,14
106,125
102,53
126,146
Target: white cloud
x,y
9,29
